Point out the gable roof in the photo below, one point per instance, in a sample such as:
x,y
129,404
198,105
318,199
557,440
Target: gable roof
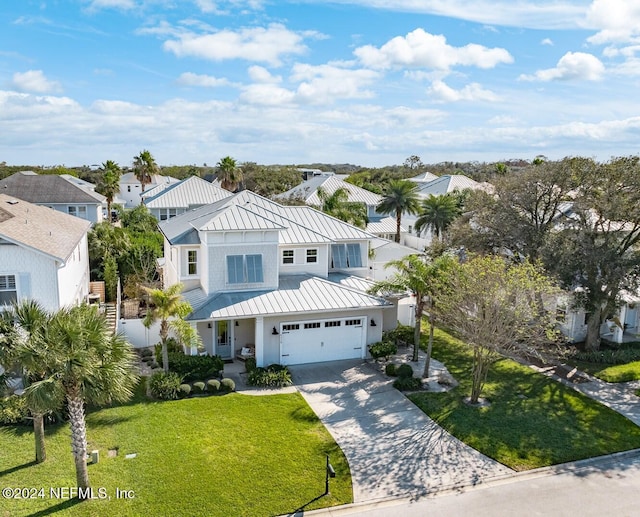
x,y
385,225
446,184
48,189
295,294
247,210
308,191
188,192
424,177
40,228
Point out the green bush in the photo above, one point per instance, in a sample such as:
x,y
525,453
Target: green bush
x,y
173,347
391,370
184,390
402,334
146,352
615,356
404,370
274,376
407,383
198,387
250,364
164,386
227,385
194,367
153,365
382,349
13,410
213,385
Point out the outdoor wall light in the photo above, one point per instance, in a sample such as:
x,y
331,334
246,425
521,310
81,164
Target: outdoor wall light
x,y
208,325
275,331
373,323
237,324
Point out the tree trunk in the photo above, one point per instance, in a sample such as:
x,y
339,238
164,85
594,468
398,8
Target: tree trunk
x,y
592,341
398,222
38,432
481,362
416,331
78,439
427,362
164,335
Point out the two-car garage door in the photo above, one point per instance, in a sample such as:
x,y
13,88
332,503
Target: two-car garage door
x,y
322,340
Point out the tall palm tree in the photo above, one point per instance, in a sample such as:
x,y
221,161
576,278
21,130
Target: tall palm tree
x,y
29,354
338,205
87,364
165,305
229,174
144,166
109,185
401,196
420,277
437,213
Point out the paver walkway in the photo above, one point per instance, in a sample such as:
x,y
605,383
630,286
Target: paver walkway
x,y
393,448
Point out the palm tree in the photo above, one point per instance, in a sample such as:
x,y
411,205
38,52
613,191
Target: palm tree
x,y
338,205
144,166
86,364
29,354
165,305
414,274
110,183
229,174
437,213
401,196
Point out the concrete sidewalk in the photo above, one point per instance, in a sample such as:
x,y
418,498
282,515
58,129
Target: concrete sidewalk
x,y
393,448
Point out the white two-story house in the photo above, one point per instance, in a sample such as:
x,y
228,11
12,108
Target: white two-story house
x,y
275,279
43,255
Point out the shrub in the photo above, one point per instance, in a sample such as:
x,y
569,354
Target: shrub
x,y
391,370
404,370
194,367
227,385
184,390
620,356
173,347
402,334
250,364
146,352
13,410
213,385
153,365
274,376
407,383
198,387
165,386
382,349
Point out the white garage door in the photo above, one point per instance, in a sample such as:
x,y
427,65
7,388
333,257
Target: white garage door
x,y
322,340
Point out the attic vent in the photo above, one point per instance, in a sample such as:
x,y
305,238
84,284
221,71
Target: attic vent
x,y
13,201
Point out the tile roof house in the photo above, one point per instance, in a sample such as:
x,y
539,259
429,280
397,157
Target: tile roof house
x,y
263,276
43,255
63,193
168,200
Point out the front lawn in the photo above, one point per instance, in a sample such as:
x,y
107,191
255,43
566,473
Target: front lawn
x,y
222,455
533,421
620,372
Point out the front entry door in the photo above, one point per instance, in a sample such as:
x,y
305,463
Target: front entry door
x,y
223,339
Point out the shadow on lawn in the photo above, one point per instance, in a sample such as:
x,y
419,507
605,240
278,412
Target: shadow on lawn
x,y
57,508
11,470
300,511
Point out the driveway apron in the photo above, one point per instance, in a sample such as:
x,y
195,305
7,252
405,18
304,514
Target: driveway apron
x,y
393,448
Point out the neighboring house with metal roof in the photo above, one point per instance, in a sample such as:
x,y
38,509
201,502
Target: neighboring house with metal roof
x,y
165,202
259,276
131,188
43,255
63,193
424,177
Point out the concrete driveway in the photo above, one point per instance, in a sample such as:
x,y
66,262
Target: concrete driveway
x,y
393,448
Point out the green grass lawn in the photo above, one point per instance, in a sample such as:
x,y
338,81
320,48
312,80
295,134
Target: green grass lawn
x,y
620,372
533,421
224,455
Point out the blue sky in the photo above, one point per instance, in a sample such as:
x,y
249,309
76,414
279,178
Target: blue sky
x,y
349,81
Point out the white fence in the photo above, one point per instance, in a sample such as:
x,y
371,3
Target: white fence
x,y
139,335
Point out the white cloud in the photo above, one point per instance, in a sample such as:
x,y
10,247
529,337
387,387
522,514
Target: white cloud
x,y
420,49
266,95
34,81
259,74
618,21
267,45
547,41
206,81
326,83
571,66
471,92
96,5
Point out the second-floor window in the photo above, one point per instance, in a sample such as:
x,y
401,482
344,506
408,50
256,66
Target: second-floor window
x,y
78,211
312,256
8,291
346,255
167,213
244,269
192,262
287,256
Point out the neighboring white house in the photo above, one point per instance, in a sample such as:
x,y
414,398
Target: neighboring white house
x,y
43,255
131,188
167,201
63,193
271,278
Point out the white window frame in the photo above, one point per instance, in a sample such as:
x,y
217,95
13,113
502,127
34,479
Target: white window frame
x,y
191,262
288,257
8,284
249,274
311,253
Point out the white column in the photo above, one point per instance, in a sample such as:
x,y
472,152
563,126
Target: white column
x,y
259,335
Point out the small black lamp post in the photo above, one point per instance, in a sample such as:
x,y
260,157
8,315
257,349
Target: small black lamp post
x,y
331,473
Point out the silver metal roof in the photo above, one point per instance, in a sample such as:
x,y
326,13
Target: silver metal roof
x,y
385,225
445,184
188,192
308,191
296,294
